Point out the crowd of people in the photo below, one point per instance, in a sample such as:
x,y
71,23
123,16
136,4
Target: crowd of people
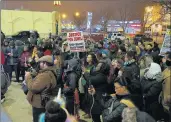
x,y
118,80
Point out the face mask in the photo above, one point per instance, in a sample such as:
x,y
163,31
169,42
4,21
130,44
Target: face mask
x,y
168,63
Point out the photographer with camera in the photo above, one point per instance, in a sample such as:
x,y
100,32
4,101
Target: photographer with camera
x,y
41,88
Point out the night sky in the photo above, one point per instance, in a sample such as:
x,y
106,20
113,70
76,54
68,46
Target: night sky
x,y
133,7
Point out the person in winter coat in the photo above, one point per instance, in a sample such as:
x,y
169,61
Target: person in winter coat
x,y
5,83
70,86
12,56
142,49
151,87
98,80
59,70
2,58
149,48
19,46
164,59
47,47
33,39
65,51
121,53
135,115
105,56
23,61
116,66
87,70
36,54
112,107
166,87
131,69
55,112
156,48
42,86
113,50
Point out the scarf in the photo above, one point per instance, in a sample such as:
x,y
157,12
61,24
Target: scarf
x,y
34,54
127,63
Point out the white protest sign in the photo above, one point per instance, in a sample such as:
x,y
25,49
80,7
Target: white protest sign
x,y
166,46
76,41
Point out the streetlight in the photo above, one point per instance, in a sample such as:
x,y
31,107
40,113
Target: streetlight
x,y
77,14
64,16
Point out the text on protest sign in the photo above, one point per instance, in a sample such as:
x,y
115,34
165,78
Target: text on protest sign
x,y
76,41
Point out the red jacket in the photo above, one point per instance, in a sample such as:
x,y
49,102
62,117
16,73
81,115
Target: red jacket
x,y
2,58
47,52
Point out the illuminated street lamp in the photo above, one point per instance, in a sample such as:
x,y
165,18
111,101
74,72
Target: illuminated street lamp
x,y
64,16
77,14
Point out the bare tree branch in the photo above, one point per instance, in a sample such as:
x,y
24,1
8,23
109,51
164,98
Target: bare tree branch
x,y
79,20
107,15
124,17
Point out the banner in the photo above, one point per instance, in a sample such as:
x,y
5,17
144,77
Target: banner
x,y
76,41
166,46
89,19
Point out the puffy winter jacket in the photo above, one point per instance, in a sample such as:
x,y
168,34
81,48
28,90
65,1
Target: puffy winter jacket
x,y
151,89
70,83
43,84
99,82
12,60
112,109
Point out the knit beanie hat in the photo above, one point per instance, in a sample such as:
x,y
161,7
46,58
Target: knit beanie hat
x,y
112,47
105,52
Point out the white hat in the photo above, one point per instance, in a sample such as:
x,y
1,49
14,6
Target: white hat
x,y
153,70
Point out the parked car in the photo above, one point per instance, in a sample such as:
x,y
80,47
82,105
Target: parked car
x,y
115,36
141,37
22,35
